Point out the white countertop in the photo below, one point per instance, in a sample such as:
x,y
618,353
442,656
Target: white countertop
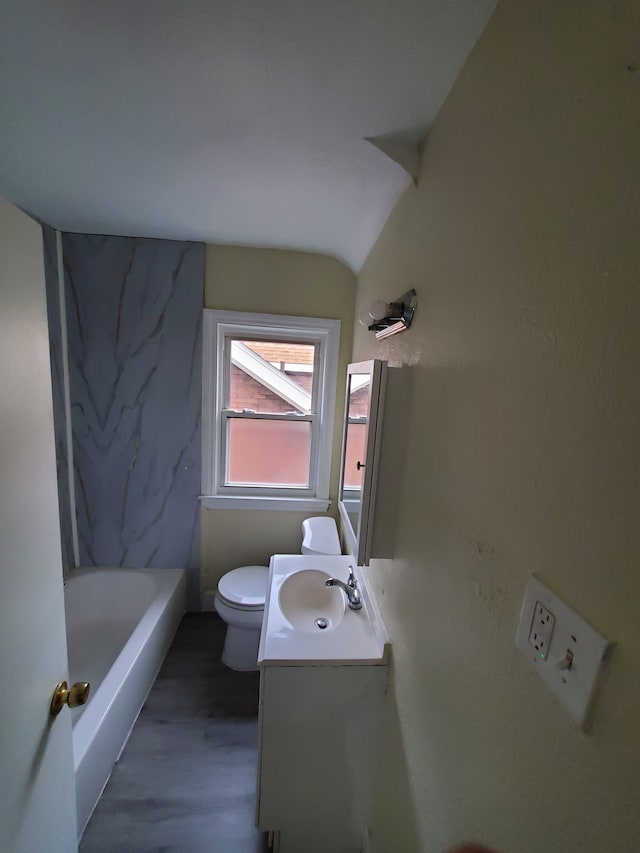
x,y
360,638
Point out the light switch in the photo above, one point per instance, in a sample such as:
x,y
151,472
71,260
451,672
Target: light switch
x,y
571,658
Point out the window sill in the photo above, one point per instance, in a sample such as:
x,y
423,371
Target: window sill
x,y
265,503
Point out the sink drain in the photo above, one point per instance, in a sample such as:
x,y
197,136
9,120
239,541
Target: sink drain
x,y
322,623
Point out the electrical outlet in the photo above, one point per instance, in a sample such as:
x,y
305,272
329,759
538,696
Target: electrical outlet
x,y
542,622
567,653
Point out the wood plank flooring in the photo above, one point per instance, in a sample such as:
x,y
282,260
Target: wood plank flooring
x,y
186,780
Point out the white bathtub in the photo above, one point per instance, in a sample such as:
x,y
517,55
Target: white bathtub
x,y
120,623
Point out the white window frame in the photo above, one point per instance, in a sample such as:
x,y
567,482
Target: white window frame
x,y
221,326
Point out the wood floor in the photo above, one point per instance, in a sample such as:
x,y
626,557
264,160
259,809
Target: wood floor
x,y
186,780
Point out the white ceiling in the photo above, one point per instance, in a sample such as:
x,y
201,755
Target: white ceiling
x,y
230,121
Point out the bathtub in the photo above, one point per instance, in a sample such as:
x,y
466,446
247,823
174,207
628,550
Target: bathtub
x,y
120,623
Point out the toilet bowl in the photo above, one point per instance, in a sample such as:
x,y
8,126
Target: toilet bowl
x,y
239,602
242,592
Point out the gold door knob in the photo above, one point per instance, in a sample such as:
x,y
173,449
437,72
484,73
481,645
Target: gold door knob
x,y
78,694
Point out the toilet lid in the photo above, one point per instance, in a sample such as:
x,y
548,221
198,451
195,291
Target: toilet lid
x,y
246,586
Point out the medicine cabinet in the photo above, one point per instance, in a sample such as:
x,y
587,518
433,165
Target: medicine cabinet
x,y
374,438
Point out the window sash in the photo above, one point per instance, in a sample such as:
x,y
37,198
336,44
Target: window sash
x,y
226,487
318,358
230,414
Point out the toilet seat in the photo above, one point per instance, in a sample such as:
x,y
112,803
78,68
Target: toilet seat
x,y
244,588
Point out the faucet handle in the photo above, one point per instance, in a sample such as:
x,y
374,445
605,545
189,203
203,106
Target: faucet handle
x,y
352,582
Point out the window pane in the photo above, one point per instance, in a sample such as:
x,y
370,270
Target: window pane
x,y
267,453
355,452
271,377
359,393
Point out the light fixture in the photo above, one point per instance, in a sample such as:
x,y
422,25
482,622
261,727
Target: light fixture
x,y
386,319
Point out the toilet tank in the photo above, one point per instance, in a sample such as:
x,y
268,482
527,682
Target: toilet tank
x,y
320,536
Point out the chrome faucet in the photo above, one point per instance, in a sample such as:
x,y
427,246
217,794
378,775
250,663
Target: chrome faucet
x,y
350,589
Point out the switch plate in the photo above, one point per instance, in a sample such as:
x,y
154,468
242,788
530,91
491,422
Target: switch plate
x,y
570,641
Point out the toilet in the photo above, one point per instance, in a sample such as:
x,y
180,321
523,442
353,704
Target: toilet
x,y
242,592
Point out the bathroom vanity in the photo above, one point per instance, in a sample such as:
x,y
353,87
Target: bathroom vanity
x,y
321,695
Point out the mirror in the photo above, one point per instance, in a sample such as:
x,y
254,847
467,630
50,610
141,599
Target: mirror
x,y
359,455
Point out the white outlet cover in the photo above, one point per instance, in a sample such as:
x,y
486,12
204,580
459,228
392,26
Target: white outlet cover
x,y
576,687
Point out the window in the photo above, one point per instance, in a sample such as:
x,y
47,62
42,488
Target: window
x,y
268,397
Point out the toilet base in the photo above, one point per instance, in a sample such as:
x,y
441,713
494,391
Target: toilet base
x,y
241,648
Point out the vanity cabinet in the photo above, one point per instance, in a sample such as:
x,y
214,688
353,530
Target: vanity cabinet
x,y
318,730
373,451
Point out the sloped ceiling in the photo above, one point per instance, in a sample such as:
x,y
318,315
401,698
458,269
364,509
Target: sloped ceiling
x,y
230,121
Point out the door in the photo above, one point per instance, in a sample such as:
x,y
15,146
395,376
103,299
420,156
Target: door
x,y
37,805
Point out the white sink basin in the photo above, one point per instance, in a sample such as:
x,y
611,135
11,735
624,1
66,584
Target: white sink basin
x,y
308,604
297,598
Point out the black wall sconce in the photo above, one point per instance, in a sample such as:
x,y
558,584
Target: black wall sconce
x,y
386,319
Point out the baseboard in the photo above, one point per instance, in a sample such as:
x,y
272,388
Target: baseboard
x,y
206,600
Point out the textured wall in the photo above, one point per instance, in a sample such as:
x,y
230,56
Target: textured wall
x,y
523,453
134,314
273,282
57,389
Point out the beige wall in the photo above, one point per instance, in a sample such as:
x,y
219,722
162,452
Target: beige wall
x,y
524,451
273,282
